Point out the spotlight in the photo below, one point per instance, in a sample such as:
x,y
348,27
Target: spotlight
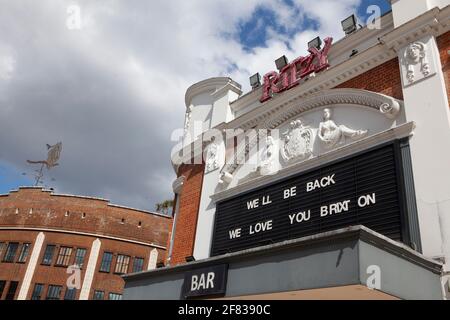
x,y
255,80
281,62
349,24
190,259
315,43
354,53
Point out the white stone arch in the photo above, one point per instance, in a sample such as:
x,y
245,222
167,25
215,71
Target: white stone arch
x,y
270,119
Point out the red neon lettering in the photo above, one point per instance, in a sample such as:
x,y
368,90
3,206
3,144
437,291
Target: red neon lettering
x,y
291,74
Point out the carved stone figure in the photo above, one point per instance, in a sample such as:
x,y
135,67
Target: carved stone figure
x,y
297,141
212,157
415,54
331,134
268,164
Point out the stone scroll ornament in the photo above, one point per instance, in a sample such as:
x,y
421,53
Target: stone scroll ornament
x,y
298,141
415,55
332,134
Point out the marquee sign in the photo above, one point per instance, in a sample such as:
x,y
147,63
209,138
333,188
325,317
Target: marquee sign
x,y
364,189
298,69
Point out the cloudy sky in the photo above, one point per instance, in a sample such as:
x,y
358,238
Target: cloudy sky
x,y
113,90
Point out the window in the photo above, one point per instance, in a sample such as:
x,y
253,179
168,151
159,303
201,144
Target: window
x,y
24,253
37,291
70,294
54,292
2,287
63,258
48,255
10,252
138,264
99,295
2,247
106,262
115,296
79,257
122,264
12,290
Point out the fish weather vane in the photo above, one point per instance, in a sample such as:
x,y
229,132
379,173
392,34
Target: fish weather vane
x,y
53,155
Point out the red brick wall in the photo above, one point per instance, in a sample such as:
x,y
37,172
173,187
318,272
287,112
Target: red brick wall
x,y
49,212
100,218
189,199
443,43
383,79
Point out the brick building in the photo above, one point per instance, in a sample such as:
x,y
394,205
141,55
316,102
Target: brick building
x,y
339,188
44,235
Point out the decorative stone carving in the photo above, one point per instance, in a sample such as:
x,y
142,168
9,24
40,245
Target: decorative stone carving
x,y
298,141
390,110
417,61
225,178
415,54
268,158
279,114
212,157
331,134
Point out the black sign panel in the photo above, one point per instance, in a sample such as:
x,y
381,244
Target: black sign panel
x,y
211,281
363,189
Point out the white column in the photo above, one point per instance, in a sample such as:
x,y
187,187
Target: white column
x,y
426,103
37,247
153,259
90,270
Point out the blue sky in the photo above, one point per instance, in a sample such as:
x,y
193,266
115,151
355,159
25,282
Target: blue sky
x,y
99,89
253,32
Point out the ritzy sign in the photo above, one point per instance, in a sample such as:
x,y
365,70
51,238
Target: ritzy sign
x,y
298,69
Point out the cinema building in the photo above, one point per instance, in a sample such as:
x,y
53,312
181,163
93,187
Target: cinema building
x,y
350,196
57,246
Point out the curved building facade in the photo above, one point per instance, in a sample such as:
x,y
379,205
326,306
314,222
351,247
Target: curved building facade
x,y
55,246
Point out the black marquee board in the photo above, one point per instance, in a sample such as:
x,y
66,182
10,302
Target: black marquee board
x,y
363,189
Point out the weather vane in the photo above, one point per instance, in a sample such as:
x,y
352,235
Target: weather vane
x,y
52,161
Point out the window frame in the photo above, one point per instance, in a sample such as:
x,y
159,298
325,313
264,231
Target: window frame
x,y
109,262
116,295
98,291
120,264
52,255
76,256
2,249
42,287
21,258
74,290
8,293
2,287
53,286
64,255
13,258
134,264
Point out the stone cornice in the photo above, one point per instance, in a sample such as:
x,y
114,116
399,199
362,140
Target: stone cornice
x,y
433,22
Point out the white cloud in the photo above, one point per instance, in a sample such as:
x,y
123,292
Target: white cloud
x,y
114,90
